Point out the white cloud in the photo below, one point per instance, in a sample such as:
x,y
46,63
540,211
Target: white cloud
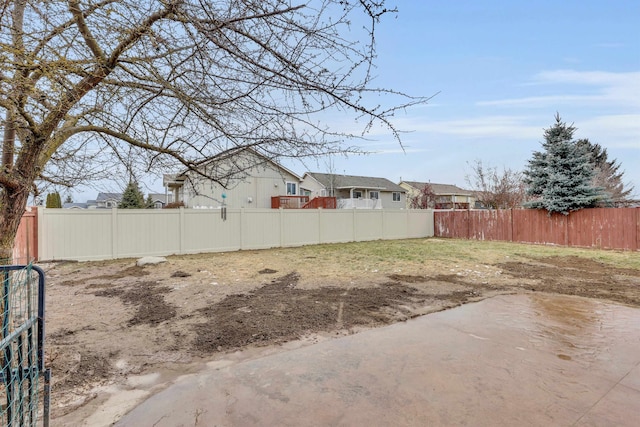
x,y
598,88
620,131
399,150
514,127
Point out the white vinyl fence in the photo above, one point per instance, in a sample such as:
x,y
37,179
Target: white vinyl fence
x,y
118,233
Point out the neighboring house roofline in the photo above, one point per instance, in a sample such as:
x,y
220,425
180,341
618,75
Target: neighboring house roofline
x,y
347,187
178,178
440,189
355,181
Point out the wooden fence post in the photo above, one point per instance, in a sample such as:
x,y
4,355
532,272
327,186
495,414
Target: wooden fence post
x,y
510,229
637,229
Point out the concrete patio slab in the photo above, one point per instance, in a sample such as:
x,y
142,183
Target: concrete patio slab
x,y
511,360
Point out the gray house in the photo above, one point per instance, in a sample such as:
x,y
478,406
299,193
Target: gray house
x,y
103,201
160,200
355,192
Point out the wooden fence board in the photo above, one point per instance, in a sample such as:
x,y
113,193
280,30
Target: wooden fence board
x,y
25,248
605,228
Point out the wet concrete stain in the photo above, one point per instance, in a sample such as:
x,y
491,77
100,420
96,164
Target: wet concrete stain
x,y
510,360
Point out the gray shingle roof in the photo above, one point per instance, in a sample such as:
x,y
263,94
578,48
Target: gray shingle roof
x,y
440,188
109,196
350,181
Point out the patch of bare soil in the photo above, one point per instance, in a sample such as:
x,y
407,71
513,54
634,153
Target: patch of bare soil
x,y
279,312
109,321
578,276
147,298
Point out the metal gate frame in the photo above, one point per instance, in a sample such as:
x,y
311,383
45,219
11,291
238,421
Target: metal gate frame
x,y
22,408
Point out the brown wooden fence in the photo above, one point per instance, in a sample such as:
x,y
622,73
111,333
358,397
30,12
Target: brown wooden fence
x,y
25,248
602,228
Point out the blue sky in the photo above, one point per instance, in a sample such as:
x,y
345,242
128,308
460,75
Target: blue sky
x,y
503,69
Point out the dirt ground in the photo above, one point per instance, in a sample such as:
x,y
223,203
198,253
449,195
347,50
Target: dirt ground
x,y
110,320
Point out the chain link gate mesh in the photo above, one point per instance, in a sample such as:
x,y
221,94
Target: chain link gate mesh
x,y
22,347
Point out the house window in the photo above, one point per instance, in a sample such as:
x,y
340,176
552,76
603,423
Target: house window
x,y
357,194
292,188
396,196
374,195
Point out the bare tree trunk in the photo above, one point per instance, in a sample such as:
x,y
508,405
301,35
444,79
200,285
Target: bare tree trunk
x,y
12,206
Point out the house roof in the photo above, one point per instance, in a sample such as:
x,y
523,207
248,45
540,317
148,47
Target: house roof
x,y
103,197
226,156
444,189
161,197
75,205
351,181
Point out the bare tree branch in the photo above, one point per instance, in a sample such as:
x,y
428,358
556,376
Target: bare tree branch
x,y
169,85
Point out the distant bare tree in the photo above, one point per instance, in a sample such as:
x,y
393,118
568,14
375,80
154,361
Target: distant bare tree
x,y
87,85
496,189
608,175
425,199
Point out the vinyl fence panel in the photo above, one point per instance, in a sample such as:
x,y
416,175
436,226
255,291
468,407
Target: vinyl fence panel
x,y
122,233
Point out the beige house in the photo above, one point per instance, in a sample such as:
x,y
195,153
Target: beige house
x,y
355,192
250,181
448,196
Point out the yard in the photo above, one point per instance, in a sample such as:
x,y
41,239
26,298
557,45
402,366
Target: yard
x,y
112,324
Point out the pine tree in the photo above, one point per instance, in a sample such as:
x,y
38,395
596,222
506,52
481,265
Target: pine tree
x,y
149,203
608,174
560,178
132,198
54,200
68,199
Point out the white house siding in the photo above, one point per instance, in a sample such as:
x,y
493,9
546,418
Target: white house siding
x,y
388,203
253,191
314,187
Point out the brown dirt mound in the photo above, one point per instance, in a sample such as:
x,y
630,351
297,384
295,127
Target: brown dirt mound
x,y
279,312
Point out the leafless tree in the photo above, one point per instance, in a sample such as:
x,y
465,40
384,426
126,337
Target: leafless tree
x,y
608,174
496,189
425,199
87,85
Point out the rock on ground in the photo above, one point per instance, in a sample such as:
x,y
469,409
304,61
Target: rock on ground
x,y
150,260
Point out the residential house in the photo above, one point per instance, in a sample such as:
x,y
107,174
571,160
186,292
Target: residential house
x,y
359,192
72,205
447,196
160,200
103,201
107,200
250,181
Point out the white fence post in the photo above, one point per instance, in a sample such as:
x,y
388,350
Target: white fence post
x,y
281,222
114,233
181,226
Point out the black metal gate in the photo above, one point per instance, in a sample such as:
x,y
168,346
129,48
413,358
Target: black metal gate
x,y
22,347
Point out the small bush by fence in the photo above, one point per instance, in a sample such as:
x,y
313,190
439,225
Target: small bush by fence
x,y
603,228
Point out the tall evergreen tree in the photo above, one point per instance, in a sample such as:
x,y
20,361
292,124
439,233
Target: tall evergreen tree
x,y
132,198
608,174
54,200
560,178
